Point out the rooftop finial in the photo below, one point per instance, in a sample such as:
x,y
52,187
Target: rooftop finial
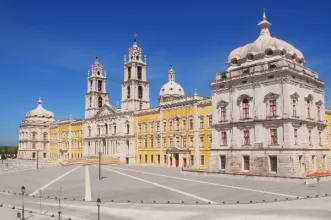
x,y
39,101
117,104
171,74
264,25
195,92
135,37
264,16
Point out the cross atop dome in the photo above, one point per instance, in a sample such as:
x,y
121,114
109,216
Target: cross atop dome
x,y
264,25
171,74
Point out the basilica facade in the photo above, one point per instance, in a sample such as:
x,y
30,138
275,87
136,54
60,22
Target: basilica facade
x,y
269,112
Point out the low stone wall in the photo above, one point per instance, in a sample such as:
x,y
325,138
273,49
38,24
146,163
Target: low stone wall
x,y
303,180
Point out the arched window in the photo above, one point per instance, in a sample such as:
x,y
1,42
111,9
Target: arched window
x,y
140,92
100,102
128,95
245,109
139,72
34,135
106,128
90,102
129,72
89,132
127,128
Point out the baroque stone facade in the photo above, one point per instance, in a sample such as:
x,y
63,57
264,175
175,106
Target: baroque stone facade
x,y
109,129
269,112
33,138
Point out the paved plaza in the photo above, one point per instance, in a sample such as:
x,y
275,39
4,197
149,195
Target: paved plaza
x,y
131,192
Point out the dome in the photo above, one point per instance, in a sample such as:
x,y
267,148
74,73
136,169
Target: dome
x,y
171,88
40,112
264,46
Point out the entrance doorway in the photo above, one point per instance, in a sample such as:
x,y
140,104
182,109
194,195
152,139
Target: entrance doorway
x,y
184,162
127,160
176,159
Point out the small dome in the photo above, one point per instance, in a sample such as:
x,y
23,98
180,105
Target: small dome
x,y
171,88
40,112
264,46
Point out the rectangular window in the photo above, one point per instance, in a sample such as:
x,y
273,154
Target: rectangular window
x,y
294,107
224,139
152,127
139,158
308,108
202,142
184,124
33,155
295,136
170,125
309,137
272,106
99,85
158,143
192,160
152,158
202,160
273,136
191,141
164,142
165,159
245,109
314,163
210,121
223,114
246,137
152,141
210,141
158,126
139,126
145,158
44,155
145,142
201,122
45,136
145,128
246,163
177,142
320,137
158,159
184,142
164,126
222,162
191,123
177,124
273,164
139,144
171,142
319,113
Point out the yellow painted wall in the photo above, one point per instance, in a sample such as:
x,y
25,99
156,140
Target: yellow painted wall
x,y
145,117
60,139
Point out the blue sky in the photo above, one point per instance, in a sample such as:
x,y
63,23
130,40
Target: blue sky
x,y
47,47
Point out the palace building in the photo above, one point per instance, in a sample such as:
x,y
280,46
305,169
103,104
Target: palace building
x,y
66,139
177,133
269,112
33,138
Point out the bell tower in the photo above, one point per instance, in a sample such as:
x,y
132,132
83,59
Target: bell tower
x,y
96,95
135,87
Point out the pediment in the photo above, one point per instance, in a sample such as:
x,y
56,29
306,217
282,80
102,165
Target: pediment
x,y
106,110
295,96
222,103
271,96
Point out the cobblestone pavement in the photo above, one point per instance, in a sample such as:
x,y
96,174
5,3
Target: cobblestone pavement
x,y
131,192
